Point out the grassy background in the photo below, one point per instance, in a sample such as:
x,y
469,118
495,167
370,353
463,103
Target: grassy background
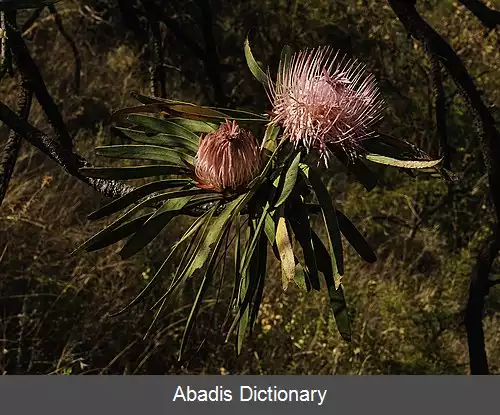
x,y
406,309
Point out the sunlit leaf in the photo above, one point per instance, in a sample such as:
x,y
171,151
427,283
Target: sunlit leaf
x,y
164,126
289,180
407,164
160,139
285,250
254,67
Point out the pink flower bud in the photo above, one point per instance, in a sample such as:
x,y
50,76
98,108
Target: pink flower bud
x,y
227,159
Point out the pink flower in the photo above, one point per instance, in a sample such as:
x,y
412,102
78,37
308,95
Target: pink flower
x,y
321,100
227,159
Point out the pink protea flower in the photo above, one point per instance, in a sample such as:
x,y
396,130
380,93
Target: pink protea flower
x,y
321,100
227,159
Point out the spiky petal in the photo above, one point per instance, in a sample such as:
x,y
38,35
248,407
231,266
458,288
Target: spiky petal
x,y
322,100
227,159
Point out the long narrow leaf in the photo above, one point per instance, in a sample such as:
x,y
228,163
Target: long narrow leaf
x,y
354,237
136,194
331,224
160,139
133,172
254,67
145,152
164,126
336,295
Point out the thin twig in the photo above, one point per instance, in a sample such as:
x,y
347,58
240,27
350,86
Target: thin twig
x,y
70,161
72,44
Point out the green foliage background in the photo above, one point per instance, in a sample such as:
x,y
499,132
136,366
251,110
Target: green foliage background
x,y
406,309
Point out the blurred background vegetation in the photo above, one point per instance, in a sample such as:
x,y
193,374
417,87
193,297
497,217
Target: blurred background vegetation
x,y
407,309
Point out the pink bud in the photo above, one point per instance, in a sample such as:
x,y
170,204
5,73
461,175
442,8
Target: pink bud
x,y
227,159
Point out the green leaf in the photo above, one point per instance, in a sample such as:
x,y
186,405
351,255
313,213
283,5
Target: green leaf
x,y
146,202
136,194
214,236
248,255
362,173
301,279
119,233
289,180
261,277
407,164
285,250
207,279
331,224
132,172
354,237
195,125
164,126
270,137
336,295
254,67
144,152
299,222
270,228
160,139
157,222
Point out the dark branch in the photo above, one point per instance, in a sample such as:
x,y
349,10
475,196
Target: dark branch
x,y
440,111
489,18
70,161
478,290
72,44
13,145
29,70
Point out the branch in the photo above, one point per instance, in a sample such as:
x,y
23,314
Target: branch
x,y
440,111
13,145
489,18
29,70
478,290
70,161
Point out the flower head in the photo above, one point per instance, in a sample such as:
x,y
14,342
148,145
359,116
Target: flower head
x,y
322,100
228,158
